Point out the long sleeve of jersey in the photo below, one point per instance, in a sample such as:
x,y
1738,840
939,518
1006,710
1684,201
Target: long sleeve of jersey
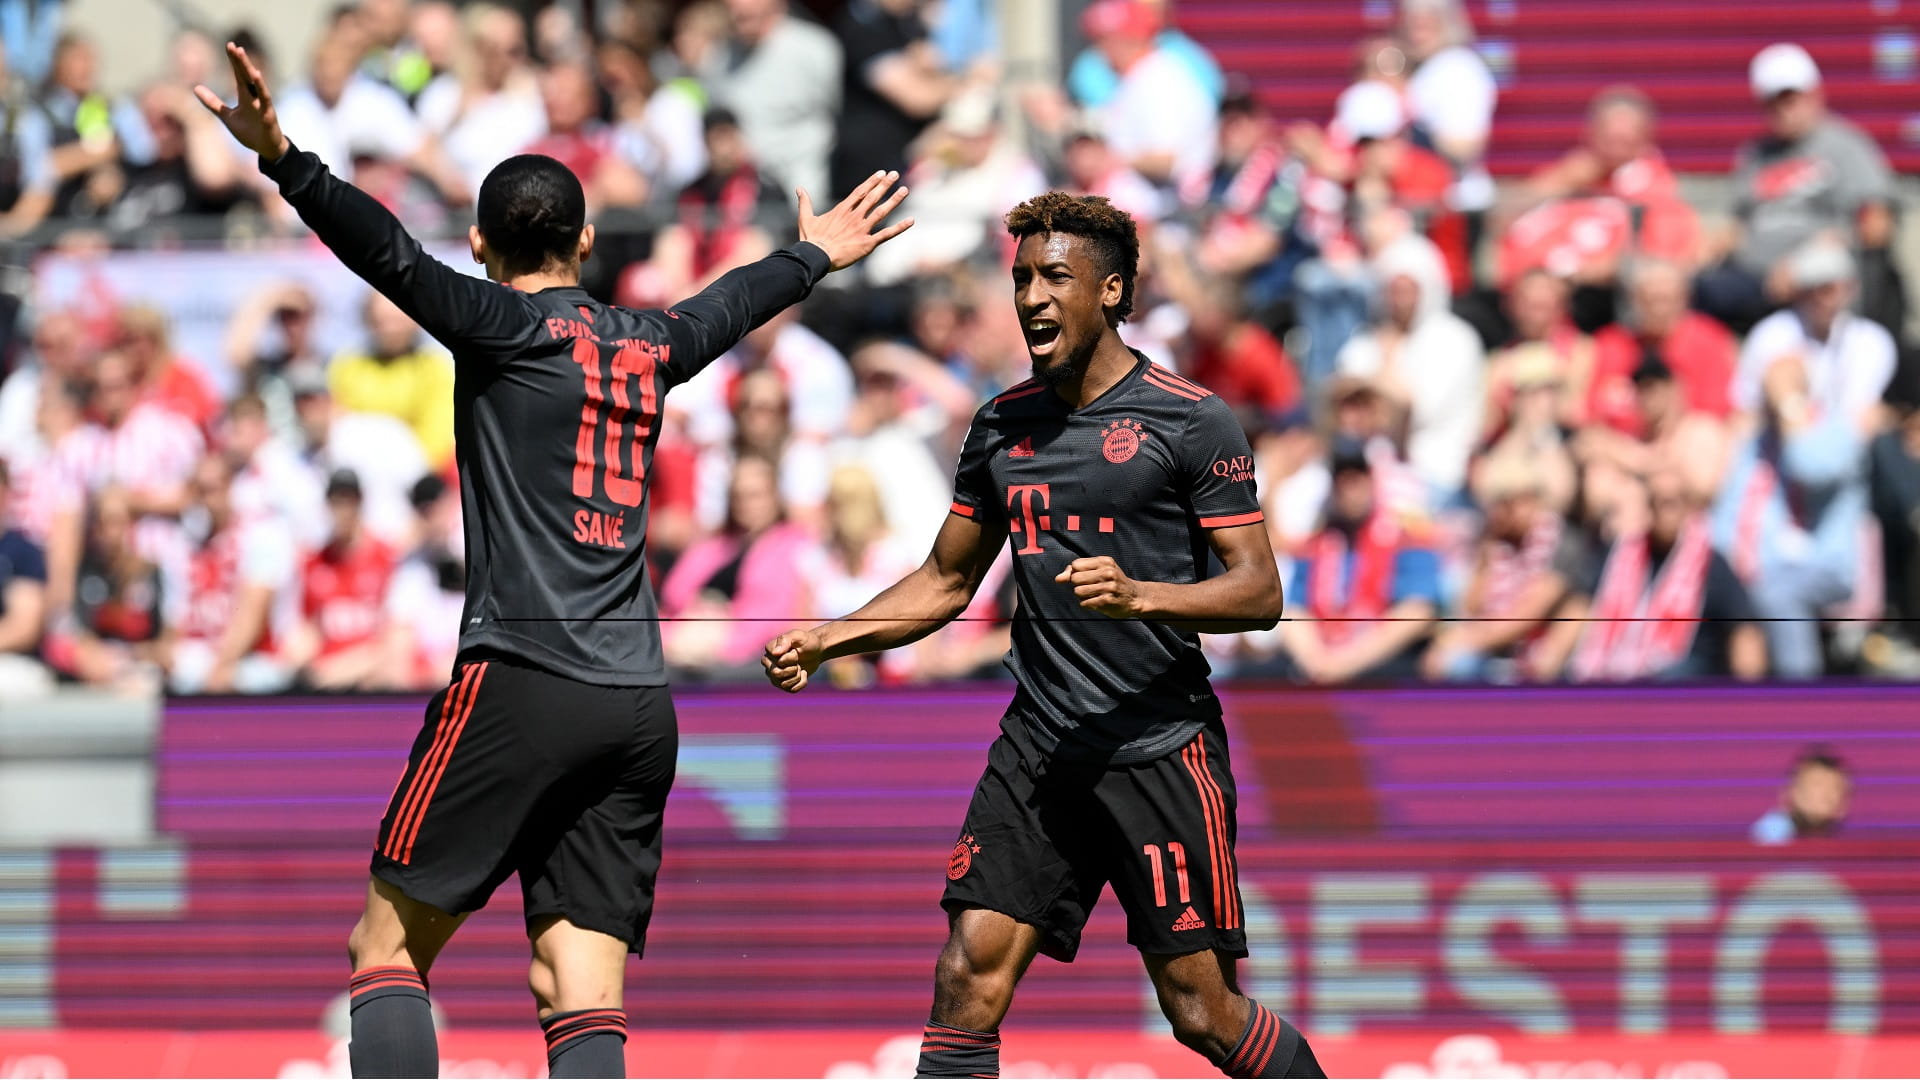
x,y
468,314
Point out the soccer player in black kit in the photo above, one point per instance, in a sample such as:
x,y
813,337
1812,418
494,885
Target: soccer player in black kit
x,y
1115,480
552,751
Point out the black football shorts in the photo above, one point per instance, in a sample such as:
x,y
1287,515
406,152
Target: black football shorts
x,y
1042,837
518,769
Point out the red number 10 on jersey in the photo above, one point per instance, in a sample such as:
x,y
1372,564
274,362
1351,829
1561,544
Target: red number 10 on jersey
x,y
625,472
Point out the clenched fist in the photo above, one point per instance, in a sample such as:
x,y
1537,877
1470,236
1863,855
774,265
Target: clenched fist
x,y
1101,587
791,658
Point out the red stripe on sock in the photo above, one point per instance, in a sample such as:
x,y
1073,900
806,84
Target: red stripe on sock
x,y
389,984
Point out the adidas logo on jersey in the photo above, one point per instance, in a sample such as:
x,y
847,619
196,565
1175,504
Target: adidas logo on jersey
x,y
1023,448
1189,920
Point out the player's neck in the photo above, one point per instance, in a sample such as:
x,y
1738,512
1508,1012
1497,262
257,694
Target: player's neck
x,y
1111,362
545,279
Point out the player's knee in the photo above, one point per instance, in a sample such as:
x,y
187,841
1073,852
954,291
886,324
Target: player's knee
x,y
971,974
1206,1015
377,941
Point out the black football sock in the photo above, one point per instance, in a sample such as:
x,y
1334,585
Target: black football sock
x,y
392,1024
586,1043
952,1051
1270,1047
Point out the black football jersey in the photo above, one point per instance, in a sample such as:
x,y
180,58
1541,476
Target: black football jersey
x,y
557,400
1140,474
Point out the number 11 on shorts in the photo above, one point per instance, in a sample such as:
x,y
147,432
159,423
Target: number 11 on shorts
x,y
1179,853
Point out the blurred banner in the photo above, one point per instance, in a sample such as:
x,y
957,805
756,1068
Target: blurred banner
x,y
1567,873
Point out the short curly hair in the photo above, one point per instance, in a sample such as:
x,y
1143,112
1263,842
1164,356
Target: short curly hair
x,y
1108,230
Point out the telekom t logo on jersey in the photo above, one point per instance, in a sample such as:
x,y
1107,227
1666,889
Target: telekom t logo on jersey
x,y
1030,520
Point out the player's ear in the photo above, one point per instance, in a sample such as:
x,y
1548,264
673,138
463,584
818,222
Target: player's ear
x,y
1111,291
477,244
586,243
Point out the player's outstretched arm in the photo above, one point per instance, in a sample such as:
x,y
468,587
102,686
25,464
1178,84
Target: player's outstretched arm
x,y
708,324
371,242
905,612
1246,596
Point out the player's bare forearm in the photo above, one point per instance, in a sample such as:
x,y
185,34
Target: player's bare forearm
x,y
1247,596
903,613
906,611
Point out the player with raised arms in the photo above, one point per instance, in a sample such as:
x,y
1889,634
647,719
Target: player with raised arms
x,y
551,752
1117,482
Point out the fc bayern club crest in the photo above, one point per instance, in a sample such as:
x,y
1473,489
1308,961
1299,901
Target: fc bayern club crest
x,y
961,860
1123,440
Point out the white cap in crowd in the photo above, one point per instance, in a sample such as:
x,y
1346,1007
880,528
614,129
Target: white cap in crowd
x,y
1370,109
1779,68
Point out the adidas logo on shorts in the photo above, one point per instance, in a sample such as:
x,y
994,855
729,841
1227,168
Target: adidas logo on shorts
x,y
1189,920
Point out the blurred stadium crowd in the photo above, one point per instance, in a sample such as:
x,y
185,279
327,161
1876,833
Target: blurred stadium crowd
x,y
1480,415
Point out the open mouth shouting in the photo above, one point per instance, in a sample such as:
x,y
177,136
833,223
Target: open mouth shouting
x,y
1041,334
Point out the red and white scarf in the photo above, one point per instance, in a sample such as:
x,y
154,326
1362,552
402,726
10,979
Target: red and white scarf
x,y
1344,603
1511,570
1638,630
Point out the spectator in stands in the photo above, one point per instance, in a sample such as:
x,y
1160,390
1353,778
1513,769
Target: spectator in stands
x,y
1527,564
381,452
1227,351
857,558
762,427
1794,502
1812,174
726,218
118,628
659,124
1537,306
345,117
1533,430
167,379
1664,604
576,137
271,479
240,580
1604,203
1669,434
88,134
818,381
340,641
965,174
49,499
1247,205
140,447
399,375
725,586
429,50
193,172
1367,593
488,108
1426,360
905,408
896,83
427,593
1895,472
23,611
56,352
1161,118
1093,81
1697,349
1451,95
1094,168
1813,804
270,341
782,79
28,182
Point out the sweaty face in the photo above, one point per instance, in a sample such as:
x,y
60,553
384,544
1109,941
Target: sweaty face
x,y
1062,300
